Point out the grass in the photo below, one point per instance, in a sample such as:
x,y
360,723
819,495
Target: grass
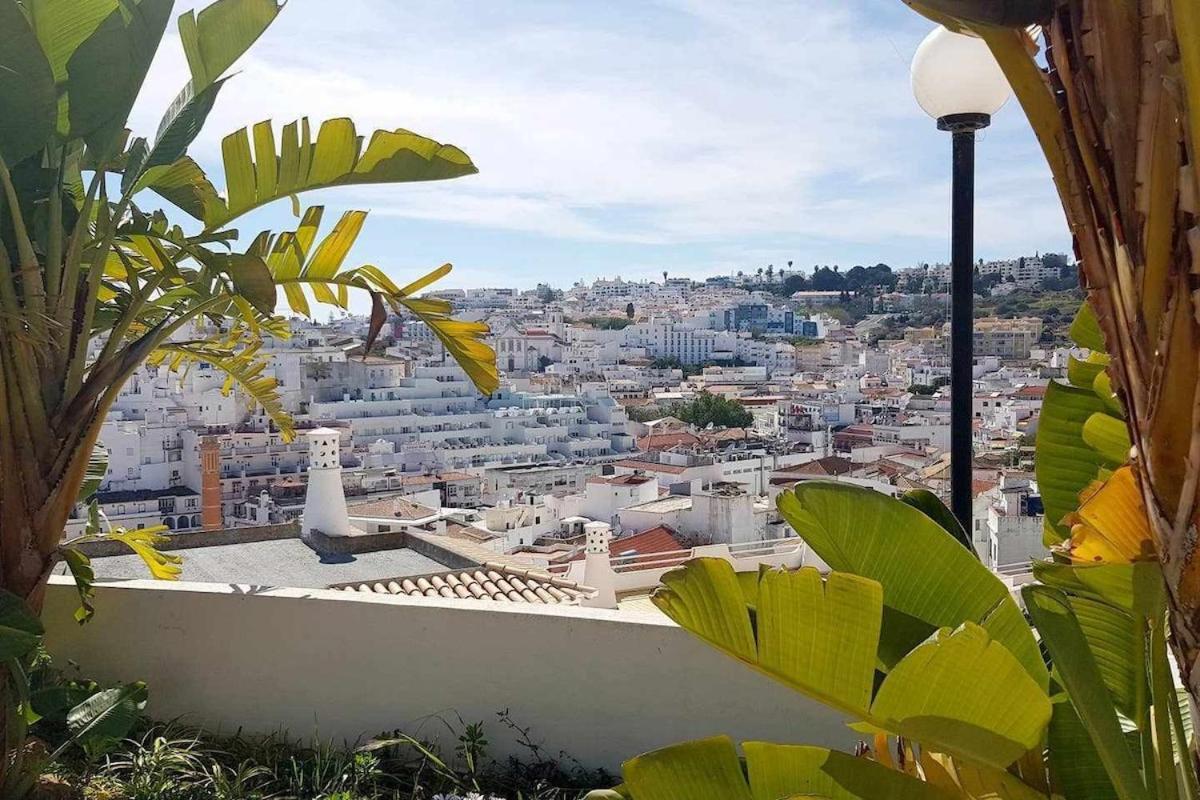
x,y
170,761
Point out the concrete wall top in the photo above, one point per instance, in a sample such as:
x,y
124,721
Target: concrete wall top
x,y
600,685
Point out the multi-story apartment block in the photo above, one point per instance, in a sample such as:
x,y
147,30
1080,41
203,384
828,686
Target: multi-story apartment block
x,y
688,345
436,419
1007,338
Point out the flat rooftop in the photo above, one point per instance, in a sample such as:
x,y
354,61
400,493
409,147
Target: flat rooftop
x,y
281,562
664,505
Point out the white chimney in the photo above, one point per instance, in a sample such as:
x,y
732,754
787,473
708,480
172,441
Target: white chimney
x,y
325,500
597,569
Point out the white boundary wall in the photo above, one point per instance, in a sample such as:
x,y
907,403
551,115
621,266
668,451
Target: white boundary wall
x,y
601,685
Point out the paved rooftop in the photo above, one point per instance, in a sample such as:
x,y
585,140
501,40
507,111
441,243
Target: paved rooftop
x,y
664,505
283,562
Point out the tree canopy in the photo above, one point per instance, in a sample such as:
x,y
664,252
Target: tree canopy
x,y
710,409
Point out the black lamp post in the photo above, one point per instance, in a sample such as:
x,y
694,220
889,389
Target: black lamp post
x,y
958,83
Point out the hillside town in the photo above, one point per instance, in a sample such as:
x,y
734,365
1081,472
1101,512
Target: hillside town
x,y
668,414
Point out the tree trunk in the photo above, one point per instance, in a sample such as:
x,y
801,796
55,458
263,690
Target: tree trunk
x,y
39,485
1123,155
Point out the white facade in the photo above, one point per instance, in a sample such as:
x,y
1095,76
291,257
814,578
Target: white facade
x,y
438,420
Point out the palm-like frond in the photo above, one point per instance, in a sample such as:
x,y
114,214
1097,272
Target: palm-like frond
x,y
297,260
336,158
242,367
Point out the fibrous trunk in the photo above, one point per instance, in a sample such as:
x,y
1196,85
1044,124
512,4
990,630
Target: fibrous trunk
x,y
1116,115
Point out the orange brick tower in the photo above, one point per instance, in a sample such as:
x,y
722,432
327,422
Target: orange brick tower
x,y
210,484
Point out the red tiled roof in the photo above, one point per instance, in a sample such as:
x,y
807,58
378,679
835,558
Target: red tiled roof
x,y
650,466
659,539
830,465
664,441
394,507
1031,391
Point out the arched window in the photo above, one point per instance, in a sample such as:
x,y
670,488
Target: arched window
x,y
195,520
169,522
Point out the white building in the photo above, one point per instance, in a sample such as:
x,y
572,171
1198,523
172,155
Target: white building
x,y
437,420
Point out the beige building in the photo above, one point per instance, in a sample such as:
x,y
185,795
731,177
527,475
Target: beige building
x,y
1007,338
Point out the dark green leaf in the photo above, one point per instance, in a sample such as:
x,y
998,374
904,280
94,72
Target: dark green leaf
x,y
180,126
81,570
932,506
251,277
20,630
107,717
105,73
28,103
1074,763
1073,661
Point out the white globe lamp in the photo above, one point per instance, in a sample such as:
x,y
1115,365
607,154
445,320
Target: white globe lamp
x,y
957,81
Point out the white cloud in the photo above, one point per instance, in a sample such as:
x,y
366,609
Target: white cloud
x,y
676,122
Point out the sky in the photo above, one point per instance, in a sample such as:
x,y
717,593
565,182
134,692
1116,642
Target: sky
x,y
629,137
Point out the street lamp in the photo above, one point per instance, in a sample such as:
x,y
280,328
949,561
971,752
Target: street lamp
x,y
958,83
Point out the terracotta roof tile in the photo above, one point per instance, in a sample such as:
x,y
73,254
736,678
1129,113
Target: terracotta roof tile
x,y
491,581
659,539
829,465
665,441
392,508
650,466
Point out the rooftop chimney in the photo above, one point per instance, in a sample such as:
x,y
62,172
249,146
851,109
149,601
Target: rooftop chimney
x,y
211,518
597,570
325,500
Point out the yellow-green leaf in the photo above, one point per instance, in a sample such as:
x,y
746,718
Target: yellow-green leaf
x,y
936,695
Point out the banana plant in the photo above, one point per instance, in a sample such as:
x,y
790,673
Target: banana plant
x,y
1111,90
1093,711
117,249
930,655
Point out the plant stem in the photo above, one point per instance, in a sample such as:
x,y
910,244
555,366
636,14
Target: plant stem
x,y
1163,692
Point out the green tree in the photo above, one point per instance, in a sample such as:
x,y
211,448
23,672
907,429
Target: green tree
x,y
87,257
710,409
825,279
794,282
629,310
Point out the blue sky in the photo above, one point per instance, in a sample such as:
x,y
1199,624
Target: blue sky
x,y
693,136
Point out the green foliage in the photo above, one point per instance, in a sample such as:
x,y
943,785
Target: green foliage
x,y
173,762
932,506
76,718
1048,304
710,409
608,323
